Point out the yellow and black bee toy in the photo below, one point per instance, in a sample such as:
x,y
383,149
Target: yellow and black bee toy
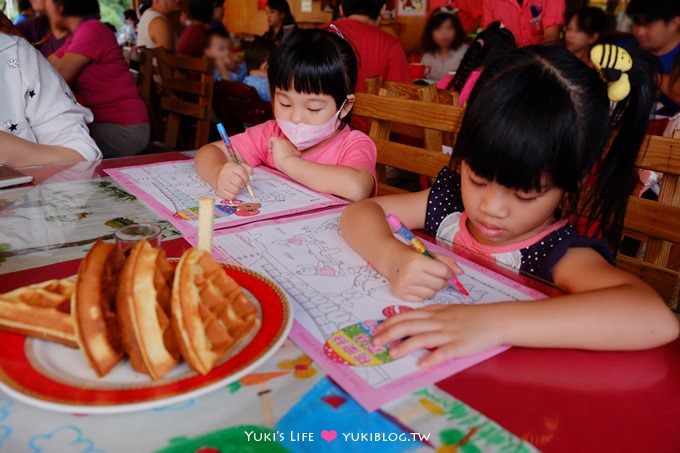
x,y
613,62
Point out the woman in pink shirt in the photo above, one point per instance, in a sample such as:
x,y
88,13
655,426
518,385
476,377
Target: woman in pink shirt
x,y
91,61
312,77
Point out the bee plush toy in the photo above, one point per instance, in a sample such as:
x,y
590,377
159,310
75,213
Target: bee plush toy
x,y
613,62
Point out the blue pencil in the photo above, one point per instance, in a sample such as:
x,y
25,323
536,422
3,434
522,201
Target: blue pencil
x,y
233,154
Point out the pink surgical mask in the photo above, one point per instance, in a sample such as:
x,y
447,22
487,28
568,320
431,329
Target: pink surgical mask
x,y
304,136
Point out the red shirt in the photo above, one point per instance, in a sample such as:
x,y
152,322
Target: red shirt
x,y
105,85
378,52
526,22
192,40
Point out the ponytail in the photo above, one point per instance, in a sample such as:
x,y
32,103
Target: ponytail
x,y
605,204
495,40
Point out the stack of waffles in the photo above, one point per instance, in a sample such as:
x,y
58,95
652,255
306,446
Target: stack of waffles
x,y
139,306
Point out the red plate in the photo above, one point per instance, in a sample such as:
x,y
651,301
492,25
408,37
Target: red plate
x,y
58,378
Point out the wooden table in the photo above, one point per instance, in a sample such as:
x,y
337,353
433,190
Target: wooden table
x,y
559,400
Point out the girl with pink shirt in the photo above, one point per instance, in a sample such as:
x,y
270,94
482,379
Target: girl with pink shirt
x,y
93,64
312,77
537,123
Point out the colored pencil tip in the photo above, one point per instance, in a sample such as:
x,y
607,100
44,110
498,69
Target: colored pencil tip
x,y
459,286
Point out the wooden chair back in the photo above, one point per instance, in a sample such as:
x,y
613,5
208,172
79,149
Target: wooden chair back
x,y
657,223
385,111
186,90
238,106
148,88
431,140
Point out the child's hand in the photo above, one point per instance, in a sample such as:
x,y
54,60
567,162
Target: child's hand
x,y
416,277
282,152
455,330
231,179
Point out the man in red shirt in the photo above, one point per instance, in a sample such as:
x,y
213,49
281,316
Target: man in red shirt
x,y
378,52
530,21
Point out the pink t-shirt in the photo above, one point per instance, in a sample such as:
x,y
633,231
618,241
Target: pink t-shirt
x,y
526,22
348,148
105,85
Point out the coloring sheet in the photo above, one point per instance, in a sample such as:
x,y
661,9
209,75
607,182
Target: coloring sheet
x,y
332,287
172,189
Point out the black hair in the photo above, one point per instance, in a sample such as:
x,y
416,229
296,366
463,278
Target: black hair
x,y
541,112
282,6
288,25
130,14
316,62
24,5
79,8
645,11
216,32
590,20
436,19
201,10
257,52
492,42
144,6
370,8
218,3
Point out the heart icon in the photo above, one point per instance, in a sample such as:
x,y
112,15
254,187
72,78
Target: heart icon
x,y
329,436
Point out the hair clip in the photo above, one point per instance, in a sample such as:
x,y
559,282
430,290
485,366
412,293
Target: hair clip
x,y
448,10
336,30
613,62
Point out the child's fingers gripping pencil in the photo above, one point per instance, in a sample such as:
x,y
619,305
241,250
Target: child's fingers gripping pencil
x,y
399,228
233,155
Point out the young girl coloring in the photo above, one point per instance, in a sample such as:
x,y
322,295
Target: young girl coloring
x,y
537,123
312,78
443,42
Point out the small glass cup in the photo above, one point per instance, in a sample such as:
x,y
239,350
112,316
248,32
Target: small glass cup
x,y
129,235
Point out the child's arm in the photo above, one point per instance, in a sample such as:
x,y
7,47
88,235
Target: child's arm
x,y
412,276
226,177
609,309
351,183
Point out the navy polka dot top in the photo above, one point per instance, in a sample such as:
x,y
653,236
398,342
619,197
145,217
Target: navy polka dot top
x,y
444,210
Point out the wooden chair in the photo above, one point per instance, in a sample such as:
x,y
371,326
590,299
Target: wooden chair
x,y
238,106
384,111
186,89
148,79
657,223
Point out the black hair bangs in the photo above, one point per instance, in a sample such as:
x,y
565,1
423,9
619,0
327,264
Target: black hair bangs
x,y
519,129
314,62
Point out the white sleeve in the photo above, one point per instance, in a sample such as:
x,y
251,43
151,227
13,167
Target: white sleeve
x,y
54,115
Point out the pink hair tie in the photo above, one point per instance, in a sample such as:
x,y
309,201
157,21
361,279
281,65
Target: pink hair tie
x,y
336,30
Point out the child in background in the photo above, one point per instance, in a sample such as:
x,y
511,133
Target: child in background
x,y
312,76
493,41
257,54
127,35
536,125
443,42
584,29
219,48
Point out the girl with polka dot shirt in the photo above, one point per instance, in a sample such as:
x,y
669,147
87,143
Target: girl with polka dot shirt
x,y
536,125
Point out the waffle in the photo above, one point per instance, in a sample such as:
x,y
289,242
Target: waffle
x,y
42,310
94,309
210,313
143,306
